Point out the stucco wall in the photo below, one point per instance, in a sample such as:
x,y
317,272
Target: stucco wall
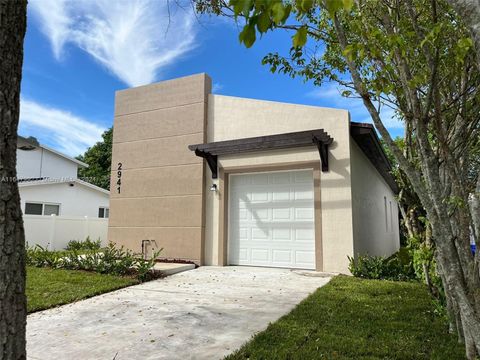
x,y
375,229
161,196
43,163
77,200
232,118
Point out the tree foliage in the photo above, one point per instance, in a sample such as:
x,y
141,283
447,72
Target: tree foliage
x,y
469,11
99,158
416,57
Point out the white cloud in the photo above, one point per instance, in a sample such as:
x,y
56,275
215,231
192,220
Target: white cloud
x,y
62,130
330,95
133,39
216,87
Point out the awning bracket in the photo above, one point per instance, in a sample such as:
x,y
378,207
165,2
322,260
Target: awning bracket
x,y
212,161
323,151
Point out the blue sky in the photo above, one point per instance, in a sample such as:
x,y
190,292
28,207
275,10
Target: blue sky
x,y
78,53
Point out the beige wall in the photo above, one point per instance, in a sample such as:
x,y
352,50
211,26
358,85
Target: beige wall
x,y
162,182
232,118
165,188
376,231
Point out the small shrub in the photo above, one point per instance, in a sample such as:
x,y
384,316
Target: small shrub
x,y
397,267
368,267
110,260
83,245
42,257
145,267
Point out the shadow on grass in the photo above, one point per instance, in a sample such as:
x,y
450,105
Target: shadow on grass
x,y
352,318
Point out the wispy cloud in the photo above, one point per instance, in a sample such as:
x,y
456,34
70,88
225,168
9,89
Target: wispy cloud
x,y
217,87
330,95
134,39
60,129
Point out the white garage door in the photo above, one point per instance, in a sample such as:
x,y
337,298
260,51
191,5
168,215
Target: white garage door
x,y
271,219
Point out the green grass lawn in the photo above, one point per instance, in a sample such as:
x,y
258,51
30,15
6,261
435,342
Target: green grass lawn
x,y
351,318
47,288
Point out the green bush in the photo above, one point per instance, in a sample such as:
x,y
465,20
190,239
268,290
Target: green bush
x,y
42,257
397,267
110,260
83,245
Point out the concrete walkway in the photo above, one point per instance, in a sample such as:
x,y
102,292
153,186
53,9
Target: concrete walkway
x,y
198,314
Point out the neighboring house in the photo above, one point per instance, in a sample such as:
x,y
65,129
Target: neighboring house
x,y
222,180
49,185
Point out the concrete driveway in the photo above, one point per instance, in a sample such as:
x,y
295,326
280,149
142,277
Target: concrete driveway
x,y
199,314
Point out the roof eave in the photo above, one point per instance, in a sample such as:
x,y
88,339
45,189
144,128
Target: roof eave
x,y
367,139
32,145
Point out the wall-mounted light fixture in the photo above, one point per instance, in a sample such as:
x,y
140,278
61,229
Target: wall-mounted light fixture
x,y
214,188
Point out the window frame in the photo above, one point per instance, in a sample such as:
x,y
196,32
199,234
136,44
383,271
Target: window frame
x,y
33,203
43,207
391,216
385,213
51,204
106,212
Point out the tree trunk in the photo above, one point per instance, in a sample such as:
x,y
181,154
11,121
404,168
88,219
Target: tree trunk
x,y
439,173
455,285
12,239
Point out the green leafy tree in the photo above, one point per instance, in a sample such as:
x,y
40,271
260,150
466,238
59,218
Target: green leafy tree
x,y
99,158
418,58
415,228
469,11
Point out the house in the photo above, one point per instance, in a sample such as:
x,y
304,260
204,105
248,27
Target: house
x,y
221,180
48,184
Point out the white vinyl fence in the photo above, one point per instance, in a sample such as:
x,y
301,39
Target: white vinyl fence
x,y
54,232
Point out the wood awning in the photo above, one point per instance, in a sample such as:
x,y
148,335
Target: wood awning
x,y
368,141
211,151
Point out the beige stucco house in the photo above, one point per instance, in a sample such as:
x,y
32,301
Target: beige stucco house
x,y
223,180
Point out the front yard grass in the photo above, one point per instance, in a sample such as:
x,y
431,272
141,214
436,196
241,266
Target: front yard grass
x,y
47,288
352,318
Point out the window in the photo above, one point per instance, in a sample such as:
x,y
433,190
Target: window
x,y
391,217
41,209
49,209
33,209
103,212
386,216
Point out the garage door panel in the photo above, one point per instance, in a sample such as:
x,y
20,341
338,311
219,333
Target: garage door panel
x,y
260,255
259,179
243,233
303,177
282,195
242,254
304,213
282,257
259,234
261,215
303,194
304,235
282,214
304,257
271,219
258,196
239,214
280,178
280,234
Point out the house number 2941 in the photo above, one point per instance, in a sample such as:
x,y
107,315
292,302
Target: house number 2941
x,y
119,177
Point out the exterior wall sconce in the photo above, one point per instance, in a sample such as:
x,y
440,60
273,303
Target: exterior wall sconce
x,y
214,188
